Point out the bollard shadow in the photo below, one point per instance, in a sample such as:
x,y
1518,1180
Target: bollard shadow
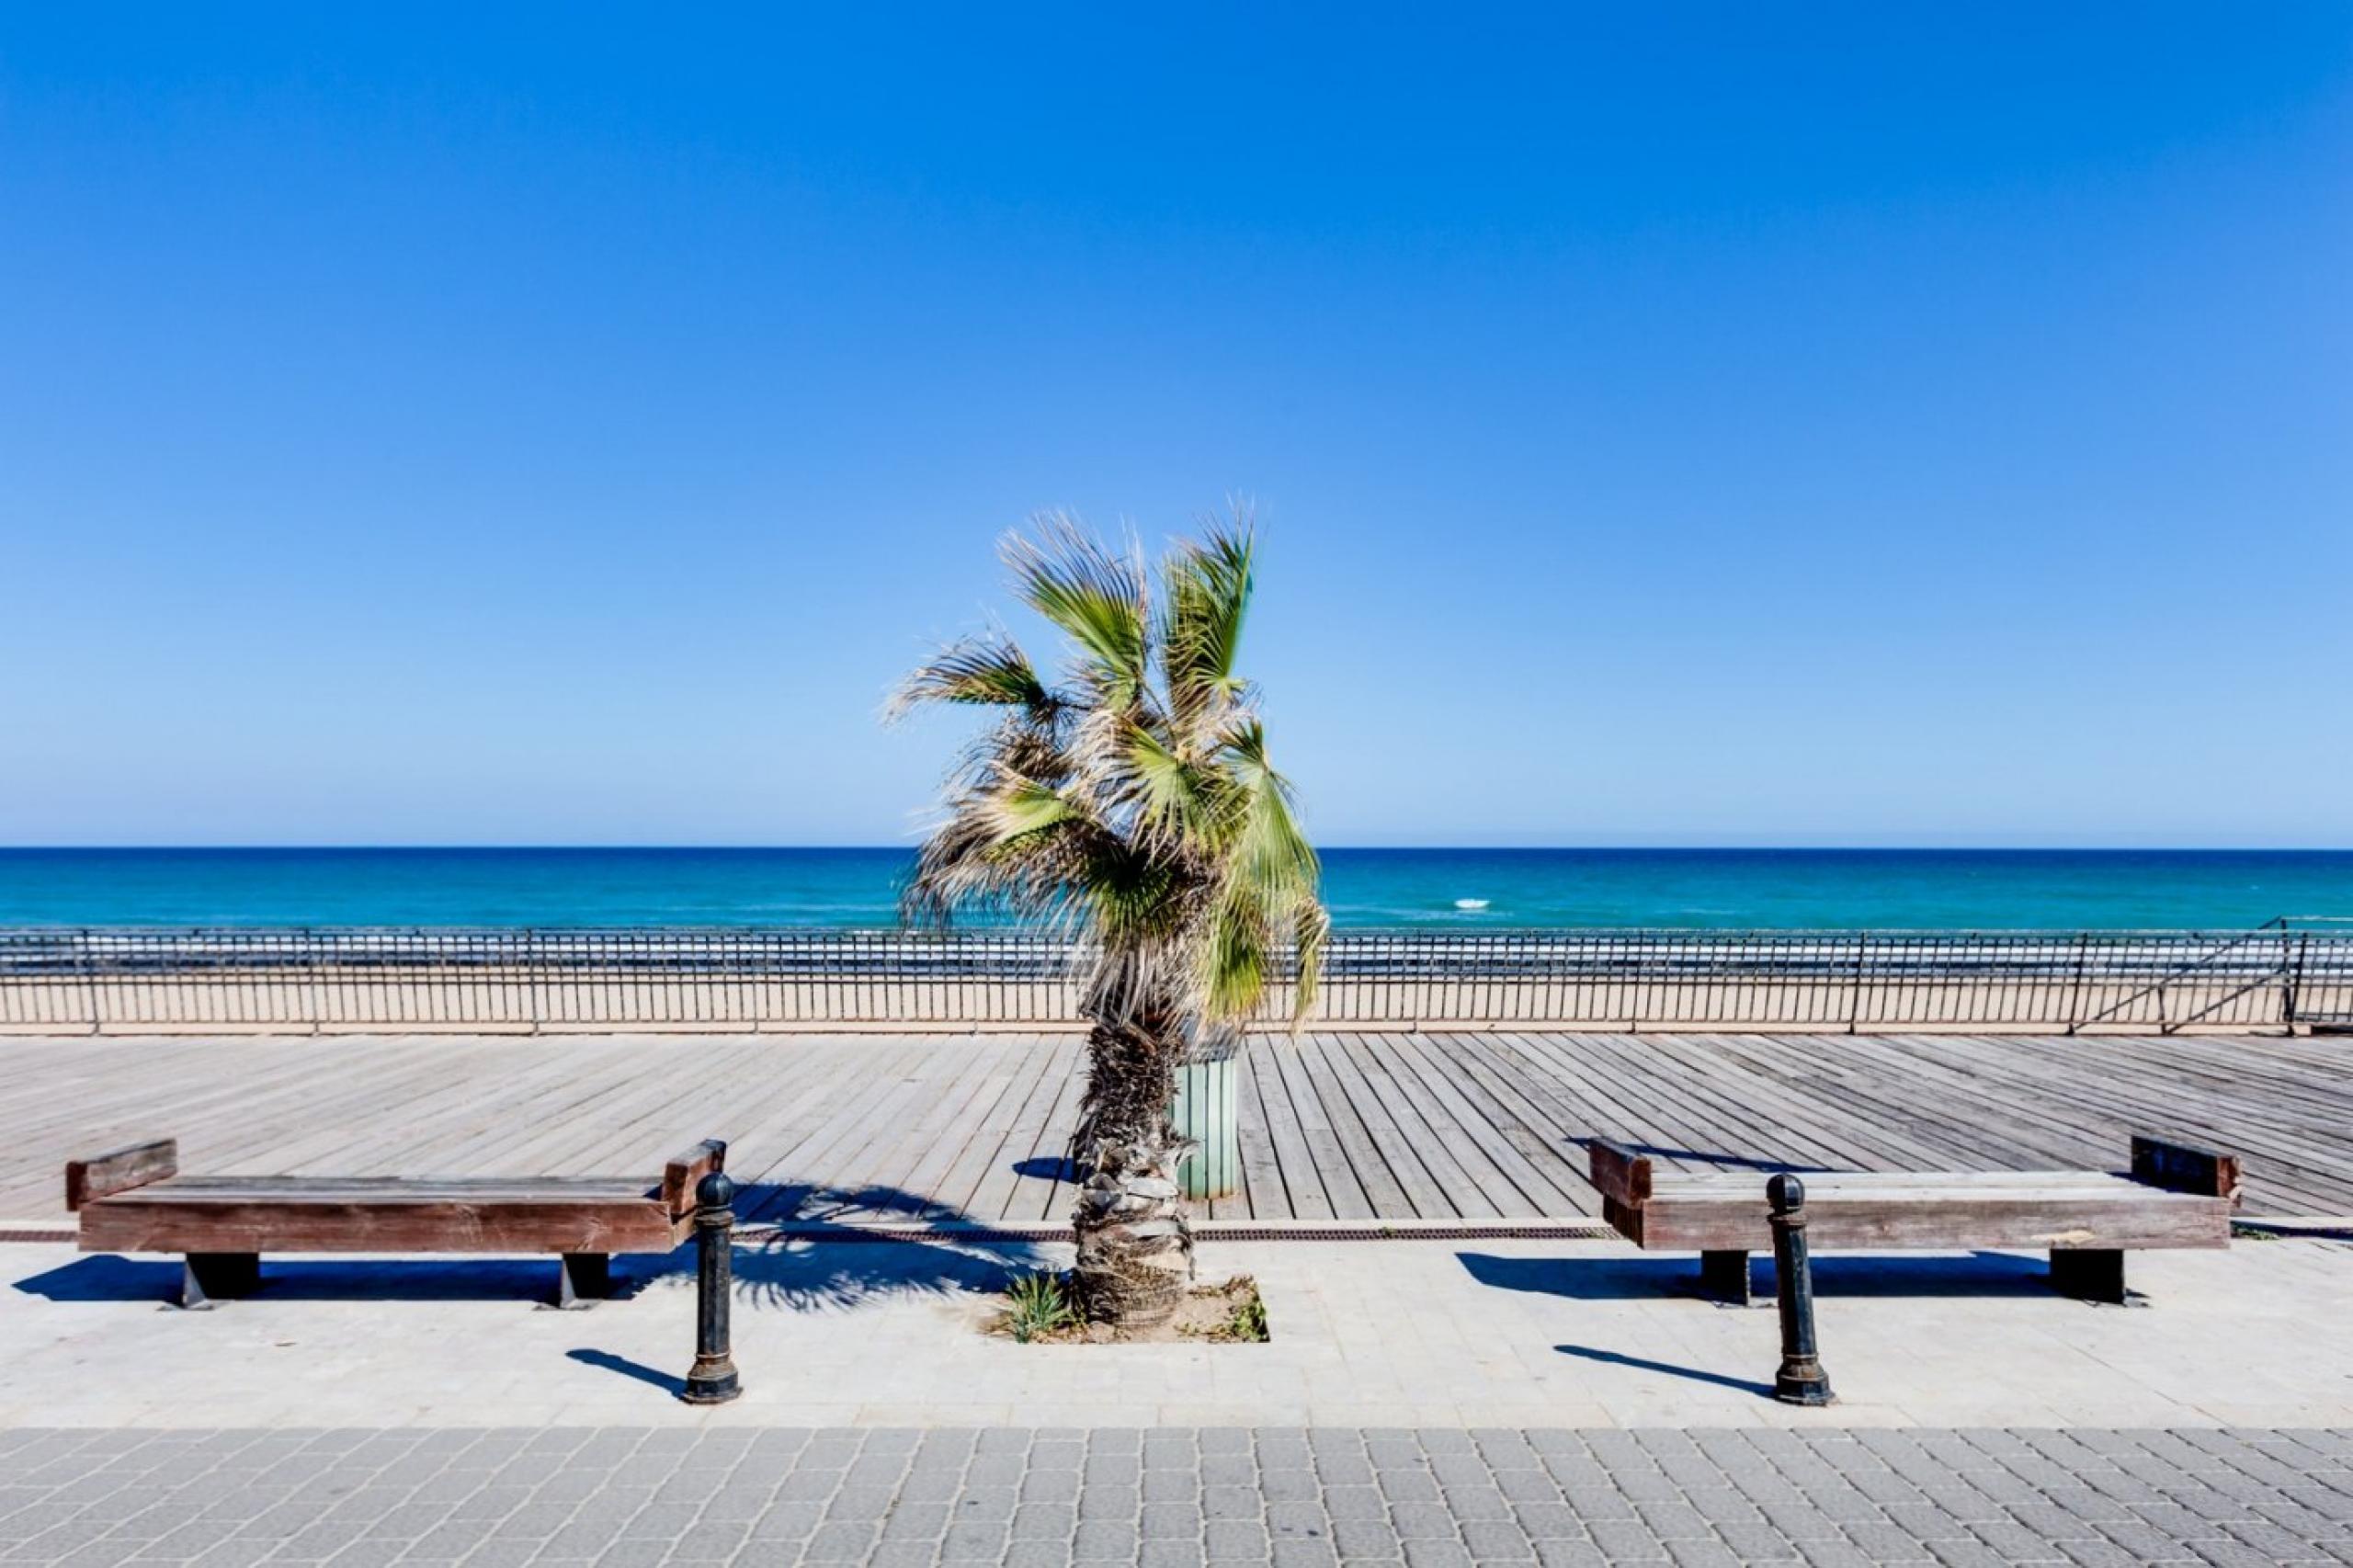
x,y
1670,1369
845,1248
1836,1275
605,1360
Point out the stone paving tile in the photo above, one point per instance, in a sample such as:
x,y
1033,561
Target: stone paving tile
x,y
1174,1498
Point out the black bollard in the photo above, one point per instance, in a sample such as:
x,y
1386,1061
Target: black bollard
x,y
1800,1380
712,1379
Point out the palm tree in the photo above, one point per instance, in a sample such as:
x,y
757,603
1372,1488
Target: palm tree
x,y
1130,805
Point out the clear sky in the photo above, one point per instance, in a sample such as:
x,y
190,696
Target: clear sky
x,y
1671,425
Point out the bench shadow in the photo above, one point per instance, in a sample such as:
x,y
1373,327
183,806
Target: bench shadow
x,y
1614,1278
1644,1364
840,1251
104,1277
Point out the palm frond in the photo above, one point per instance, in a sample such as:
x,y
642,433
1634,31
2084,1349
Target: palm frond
x,y
1270,876
1207,596
1024,806
1100,599
1008,842
1182,803
986,671
1148,820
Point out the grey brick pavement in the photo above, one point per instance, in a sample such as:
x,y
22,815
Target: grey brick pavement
x,y
1174,1496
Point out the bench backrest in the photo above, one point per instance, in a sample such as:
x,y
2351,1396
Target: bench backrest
x,y
1619,1173
681,1176
119,1170
2185,1167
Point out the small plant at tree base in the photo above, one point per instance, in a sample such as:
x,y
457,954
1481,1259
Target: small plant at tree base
x,y
1038,1304
1248,1321
1245,1319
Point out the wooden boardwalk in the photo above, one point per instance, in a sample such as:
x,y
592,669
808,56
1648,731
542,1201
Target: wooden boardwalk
x,y
1449,1126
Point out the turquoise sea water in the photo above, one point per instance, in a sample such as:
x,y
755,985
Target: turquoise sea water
x,y
1722,888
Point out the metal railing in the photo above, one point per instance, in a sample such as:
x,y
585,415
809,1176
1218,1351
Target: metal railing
x,y
2285,974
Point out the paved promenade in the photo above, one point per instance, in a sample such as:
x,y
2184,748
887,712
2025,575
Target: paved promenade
x,y
1365,1334
1165,1497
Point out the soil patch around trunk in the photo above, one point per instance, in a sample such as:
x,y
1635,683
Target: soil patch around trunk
x,y
1036,1310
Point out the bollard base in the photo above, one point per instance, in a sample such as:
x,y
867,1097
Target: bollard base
x,y
711,1388
1802,1383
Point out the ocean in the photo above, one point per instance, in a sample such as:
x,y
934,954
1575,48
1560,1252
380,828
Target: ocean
x,y
1734,888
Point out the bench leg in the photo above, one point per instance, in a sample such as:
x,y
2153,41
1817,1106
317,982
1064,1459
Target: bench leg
x,y
585,1276
204,1275
2090,1274
1724,1277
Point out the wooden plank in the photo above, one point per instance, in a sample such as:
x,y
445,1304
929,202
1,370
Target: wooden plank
x,y
1028,1135
952,1166
2084,1107
1539,1165
1485,1191
1636,1106
1055,1196
1340,1183
801,1165
894,1176
1302,1181
1368,1163
1389,1126
783,1092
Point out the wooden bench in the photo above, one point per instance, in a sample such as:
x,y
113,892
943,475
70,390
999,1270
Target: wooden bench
x,y
134,1199
2174,1197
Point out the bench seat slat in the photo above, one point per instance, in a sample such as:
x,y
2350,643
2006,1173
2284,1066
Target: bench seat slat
x,y
1898,1189
1901,1219
1828,1181
388,1189
325,1223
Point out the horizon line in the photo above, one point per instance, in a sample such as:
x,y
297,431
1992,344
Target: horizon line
x,y
2096,848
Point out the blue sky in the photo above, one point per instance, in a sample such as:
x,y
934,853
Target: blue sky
x,y
1671,424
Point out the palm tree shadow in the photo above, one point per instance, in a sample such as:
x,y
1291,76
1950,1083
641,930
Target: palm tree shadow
x,y
832,1249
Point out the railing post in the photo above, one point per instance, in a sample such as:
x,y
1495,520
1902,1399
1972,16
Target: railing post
x,y
1854,1004
2291,976
2075,991
712,1380
87,961
310,958
1800,1380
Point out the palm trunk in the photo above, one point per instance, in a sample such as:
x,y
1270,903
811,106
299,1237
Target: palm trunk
x,y
1135,1250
